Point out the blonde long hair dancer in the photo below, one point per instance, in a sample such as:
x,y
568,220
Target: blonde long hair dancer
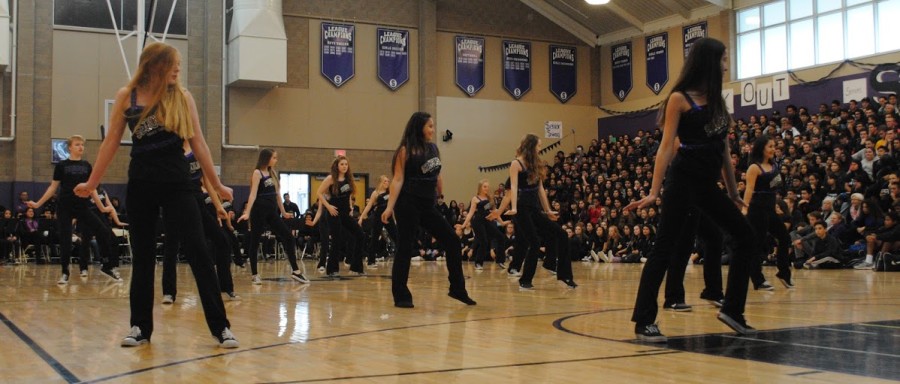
x,y
161,115
376,205
486,231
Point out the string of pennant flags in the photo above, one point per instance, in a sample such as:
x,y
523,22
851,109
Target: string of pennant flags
x,y
500,167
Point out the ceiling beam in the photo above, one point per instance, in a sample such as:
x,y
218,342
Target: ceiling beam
x,y
564,21
676,7
726,4
625,15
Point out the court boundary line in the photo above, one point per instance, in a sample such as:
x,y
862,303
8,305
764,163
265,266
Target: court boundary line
x,y
57,366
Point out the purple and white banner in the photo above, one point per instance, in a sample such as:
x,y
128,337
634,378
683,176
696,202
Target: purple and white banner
x,y
621,70
393,57
657,61
563,72
470,64
338,64
692,33
516,68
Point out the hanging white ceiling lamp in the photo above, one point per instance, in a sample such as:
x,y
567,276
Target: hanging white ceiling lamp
x,y
597,2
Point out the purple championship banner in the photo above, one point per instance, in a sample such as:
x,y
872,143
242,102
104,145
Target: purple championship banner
x,y
657,61
470,64
393,57
338,64
692,33
563,72
621,70
516,68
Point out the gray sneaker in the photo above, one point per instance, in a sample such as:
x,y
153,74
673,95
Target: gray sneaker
x,y
134,338
862,266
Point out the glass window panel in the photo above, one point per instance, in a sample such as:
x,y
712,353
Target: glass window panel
x,y
800,8
749,55
823,6
802,44
748,19
851,3
830,31
887,25
860,31
775,55
773,13
86,13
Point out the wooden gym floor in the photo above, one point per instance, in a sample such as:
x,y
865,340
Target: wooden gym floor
x,y
838,327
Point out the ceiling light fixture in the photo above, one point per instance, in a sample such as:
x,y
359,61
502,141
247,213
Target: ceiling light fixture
x,y
597,2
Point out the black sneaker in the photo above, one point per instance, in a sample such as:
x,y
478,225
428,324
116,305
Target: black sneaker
x,y
299,277
737,323
570,284
788,282
226,339
111,273
651,334
134,338
765,286
404,304
678,307
716,300
526,287
501,265
463,297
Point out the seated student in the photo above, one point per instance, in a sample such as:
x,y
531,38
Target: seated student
x,y
49,232
29,233
824,250
840,230
885,239
804,232
8,236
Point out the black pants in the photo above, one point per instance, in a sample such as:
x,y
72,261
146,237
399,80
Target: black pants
x,y
346,231
411,212
90,225
710,240
221,251
683,193
518,253
177,201
266,213
376,247
531,221
764,220
486,232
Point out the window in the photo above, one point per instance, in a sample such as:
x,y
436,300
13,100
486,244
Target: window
x,y
789,34
96,14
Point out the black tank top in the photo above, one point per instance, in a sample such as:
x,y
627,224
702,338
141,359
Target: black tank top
x,y
265,191
766,185
341,199
157,154
421,172
527,193
381,201
483,208
702,143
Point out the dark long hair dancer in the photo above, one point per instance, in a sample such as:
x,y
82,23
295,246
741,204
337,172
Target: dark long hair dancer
x,y
762,181
527,199
161,115
695,114
486,232
263,208
414,190
67,174
214,232
334,197
376,205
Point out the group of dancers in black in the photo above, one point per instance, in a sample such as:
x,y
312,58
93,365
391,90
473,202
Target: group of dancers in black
x,y
171,173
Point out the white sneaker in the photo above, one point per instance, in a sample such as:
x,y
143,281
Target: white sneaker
x,y
255,280
134,338
233,296
479,267
168,299
417,258
227,340
84,273
863,266
321,269
63,280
